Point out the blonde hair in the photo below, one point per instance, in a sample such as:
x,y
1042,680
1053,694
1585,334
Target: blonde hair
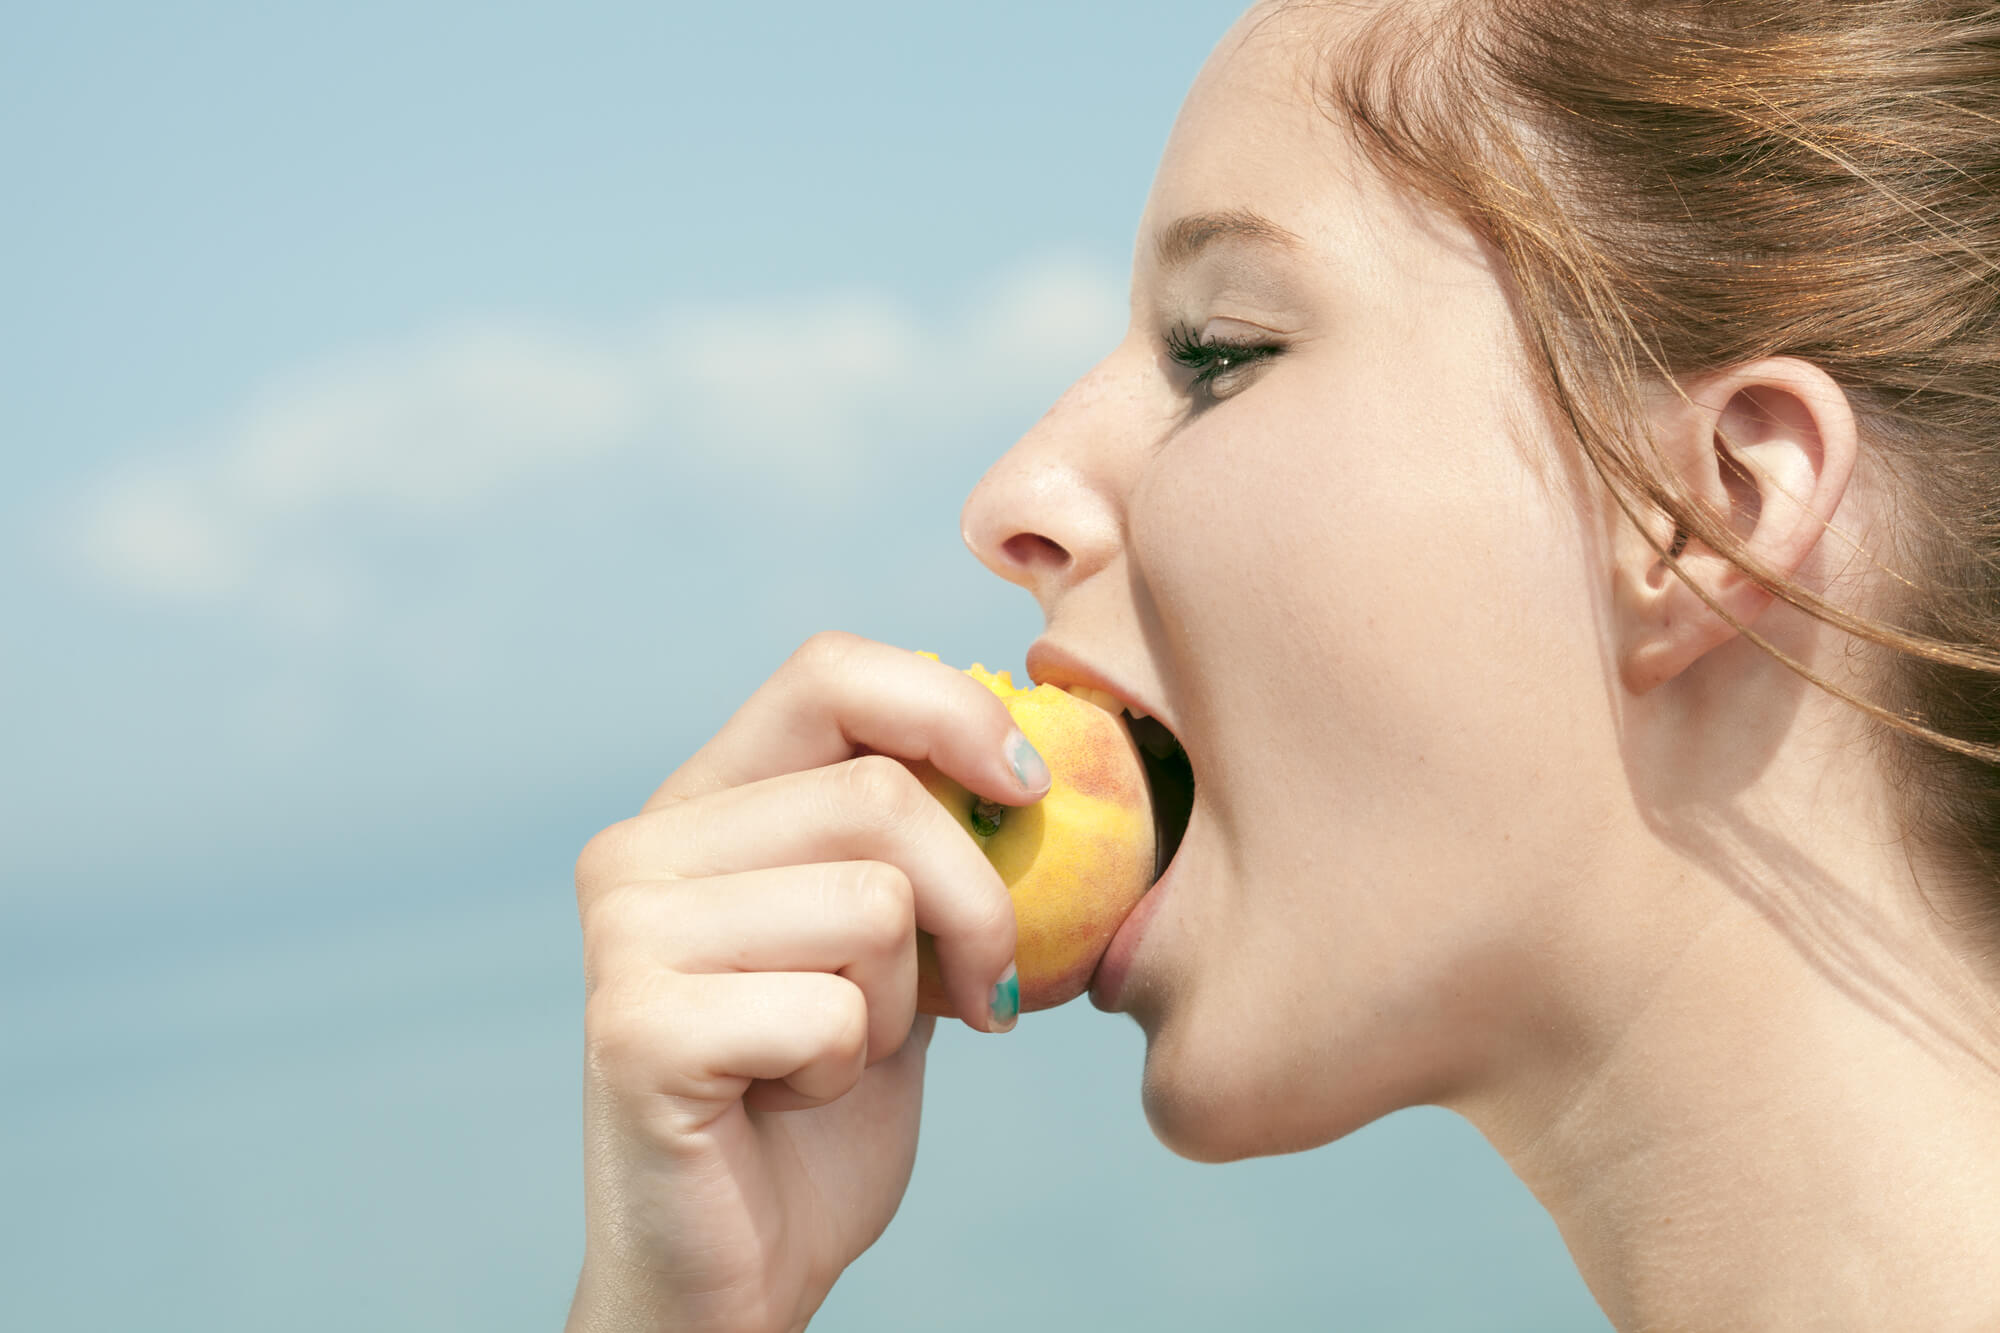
x,y
1679,186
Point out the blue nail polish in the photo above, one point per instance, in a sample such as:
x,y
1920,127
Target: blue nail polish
x,y
1005,1002
1029,766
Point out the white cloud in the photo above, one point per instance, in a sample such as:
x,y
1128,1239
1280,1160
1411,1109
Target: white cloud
x,y
430,424
805,362
160,535
1041,322
419,431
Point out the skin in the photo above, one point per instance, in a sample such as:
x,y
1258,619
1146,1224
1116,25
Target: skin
x,y
1493,811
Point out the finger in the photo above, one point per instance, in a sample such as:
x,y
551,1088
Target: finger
x,y
775,1095
886,1083
840,695
873,809
853,918
701,1040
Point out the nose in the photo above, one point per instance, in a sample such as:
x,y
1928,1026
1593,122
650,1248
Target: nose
x,y
1049,513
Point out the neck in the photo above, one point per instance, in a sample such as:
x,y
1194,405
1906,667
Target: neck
x,y
1782,1114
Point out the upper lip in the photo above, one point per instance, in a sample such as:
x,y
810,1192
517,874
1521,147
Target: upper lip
x,y
1049,664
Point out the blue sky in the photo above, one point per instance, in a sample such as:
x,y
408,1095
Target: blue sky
x,y
426,424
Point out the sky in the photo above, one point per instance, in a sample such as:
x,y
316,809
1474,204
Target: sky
x,y
426,424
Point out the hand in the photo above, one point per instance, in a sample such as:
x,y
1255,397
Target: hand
x,y
753,1075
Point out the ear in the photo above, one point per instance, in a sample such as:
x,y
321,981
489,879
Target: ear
x,y
1770,445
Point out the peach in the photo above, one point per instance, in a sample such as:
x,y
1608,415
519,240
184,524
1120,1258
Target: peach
x,y
1076,862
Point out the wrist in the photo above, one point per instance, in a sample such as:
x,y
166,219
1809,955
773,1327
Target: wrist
x,y
610,1300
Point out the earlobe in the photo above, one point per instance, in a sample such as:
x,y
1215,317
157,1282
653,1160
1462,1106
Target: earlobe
x,y
1767,449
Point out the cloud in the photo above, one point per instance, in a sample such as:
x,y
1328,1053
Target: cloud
x,y
161,535
429,425
419,433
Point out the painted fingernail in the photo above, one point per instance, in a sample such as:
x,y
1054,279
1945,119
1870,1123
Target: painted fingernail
x,y
1005,1002
1029,766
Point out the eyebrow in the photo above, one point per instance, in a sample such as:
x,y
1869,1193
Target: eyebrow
x,y
1179,243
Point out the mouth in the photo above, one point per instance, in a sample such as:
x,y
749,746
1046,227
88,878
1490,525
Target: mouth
x,y
1170,775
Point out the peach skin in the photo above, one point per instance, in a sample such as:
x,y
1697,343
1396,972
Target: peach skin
x,y
1076,862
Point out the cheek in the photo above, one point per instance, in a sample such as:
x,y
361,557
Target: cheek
x,y
1352,576
1395,677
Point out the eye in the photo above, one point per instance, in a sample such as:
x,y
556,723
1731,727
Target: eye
x,y
1221,366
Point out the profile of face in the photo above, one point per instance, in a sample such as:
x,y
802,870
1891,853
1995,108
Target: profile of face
x,y
1303,511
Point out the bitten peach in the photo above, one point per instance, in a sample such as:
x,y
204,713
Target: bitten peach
x,y
1076,862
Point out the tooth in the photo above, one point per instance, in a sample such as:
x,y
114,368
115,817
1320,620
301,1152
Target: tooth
x,y
1102,698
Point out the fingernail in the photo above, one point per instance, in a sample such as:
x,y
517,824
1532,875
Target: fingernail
x,y
1005,1002
1029,766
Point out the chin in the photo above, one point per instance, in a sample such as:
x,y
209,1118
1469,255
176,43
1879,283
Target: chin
x,y
1239,1091
1197,1135
1236,1105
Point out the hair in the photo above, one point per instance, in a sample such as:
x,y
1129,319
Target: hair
x,y
1680,186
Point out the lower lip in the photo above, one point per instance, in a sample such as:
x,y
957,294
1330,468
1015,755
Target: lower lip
x,y
1109,978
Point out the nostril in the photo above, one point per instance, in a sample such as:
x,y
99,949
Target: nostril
x,y
1029,549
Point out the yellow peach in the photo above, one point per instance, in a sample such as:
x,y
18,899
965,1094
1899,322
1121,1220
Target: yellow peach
x,y
1076,862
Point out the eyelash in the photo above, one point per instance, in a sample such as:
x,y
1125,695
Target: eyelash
x,y
1211,358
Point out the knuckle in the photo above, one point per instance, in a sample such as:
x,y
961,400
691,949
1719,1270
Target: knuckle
x,y
613,922
600,951
620,1035
825,652
846,1021
601,861
878,792
881,902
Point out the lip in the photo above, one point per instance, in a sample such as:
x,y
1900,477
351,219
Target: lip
x,y
1050,665
1107,982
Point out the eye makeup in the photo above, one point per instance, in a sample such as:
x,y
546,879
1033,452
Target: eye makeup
x,y
1222,366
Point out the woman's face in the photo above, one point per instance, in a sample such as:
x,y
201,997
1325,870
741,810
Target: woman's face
x,y
1339,575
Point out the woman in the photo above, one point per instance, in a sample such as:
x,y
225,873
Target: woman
x,y
1551,485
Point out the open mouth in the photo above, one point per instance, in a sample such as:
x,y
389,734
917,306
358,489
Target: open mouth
x,y
1171,776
